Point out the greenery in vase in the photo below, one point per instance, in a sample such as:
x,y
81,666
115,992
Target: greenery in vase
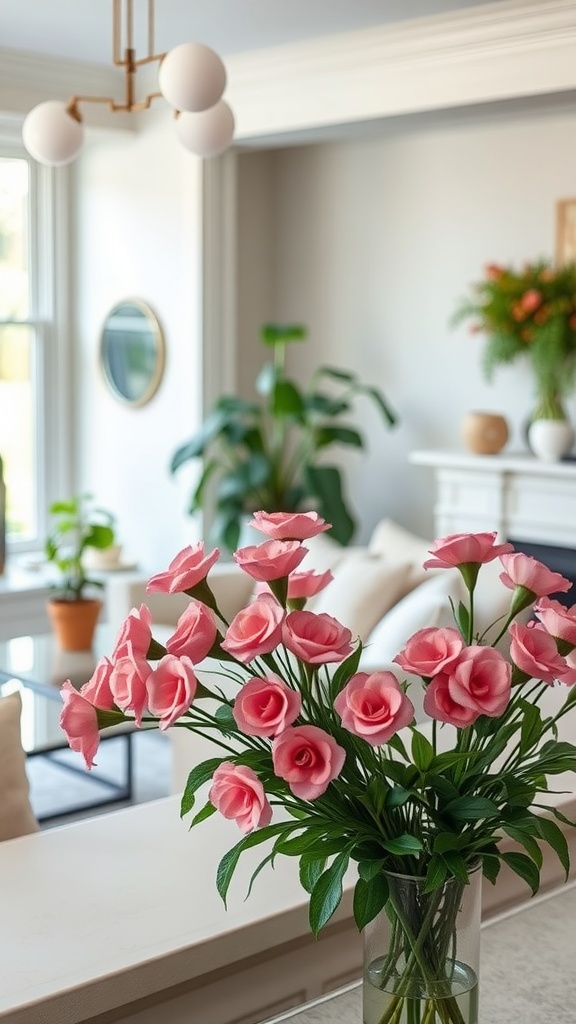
x,y
323,762
76,525
269,454
529,314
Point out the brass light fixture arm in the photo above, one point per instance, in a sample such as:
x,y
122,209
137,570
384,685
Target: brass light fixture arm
x,y
129,62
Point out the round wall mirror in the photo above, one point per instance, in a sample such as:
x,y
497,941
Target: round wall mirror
x,y
132,352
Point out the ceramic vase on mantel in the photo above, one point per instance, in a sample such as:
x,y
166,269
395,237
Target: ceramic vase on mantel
x,y
550,440
422,953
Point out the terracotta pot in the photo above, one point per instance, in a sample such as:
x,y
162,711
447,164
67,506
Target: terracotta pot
x,y
485,433
74,622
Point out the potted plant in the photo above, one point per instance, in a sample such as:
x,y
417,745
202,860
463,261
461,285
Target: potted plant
x,y
77,525
529,314
268,454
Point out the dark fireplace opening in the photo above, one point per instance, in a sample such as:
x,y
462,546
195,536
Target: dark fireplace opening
x,y
559,559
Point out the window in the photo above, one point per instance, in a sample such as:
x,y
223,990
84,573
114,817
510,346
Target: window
x,y
32,409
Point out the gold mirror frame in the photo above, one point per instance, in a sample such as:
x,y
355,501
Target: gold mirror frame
x,y
122,343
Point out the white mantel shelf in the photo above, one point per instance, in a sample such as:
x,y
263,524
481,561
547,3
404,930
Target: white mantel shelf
x,y
516,494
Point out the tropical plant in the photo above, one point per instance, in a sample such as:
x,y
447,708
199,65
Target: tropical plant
x,y
269,454
77,524
529,314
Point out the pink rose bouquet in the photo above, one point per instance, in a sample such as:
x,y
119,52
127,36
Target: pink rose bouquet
x,y
331,764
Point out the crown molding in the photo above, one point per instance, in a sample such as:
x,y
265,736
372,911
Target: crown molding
x,y
497,51
503,50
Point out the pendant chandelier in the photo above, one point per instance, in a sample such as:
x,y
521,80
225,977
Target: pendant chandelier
x,y
191,77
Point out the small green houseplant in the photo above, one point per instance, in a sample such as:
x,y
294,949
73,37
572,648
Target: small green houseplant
x,y
77,524
269,454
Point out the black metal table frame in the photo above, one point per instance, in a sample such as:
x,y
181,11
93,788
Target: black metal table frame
x,y
121,791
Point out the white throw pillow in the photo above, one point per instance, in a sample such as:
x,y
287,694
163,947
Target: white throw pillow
x,y
16,815
426,605
391,540
324,553
363,589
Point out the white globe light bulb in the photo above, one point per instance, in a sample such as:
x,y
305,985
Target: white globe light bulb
x,y
208,132
51,135
192,77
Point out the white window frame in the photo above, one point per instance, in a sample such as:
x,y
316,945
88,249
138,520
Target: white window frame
x,y
51,316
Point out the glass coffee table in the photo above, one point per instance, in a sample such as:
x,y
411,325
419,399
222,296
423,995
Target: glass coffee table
x,y
36,668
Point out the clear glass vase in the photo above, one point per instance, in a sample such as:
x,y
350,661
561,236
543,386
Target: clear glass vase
x,y
422,952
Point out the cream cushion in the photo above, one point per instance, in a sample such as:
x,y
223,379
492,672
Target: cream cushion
x,y
391,540
426,605
16,815
364,588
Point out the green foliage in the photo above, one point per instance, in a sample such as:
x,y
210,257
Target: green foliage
x,y
529,314
269,455
76,525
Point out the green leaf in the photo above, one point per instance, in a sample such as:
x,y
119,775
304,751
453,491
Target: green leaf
x,y
370,896
456,866
310,870
368,869
491,867
324,483
229,861
197,777
524,868
397,796
197,444
345,670
274,334
463,619
338,435
531,726
378,399
286,400
525,840
207,811
447,841
327,893
422,751
225,718
403,845
436,875
554,836
472,808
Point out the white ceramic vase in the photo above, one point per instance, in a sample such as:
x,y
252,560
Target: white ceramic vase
x,y
550,439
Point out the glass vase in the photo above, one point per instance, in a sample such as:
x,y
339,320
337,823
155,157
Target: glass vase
x,y
421,954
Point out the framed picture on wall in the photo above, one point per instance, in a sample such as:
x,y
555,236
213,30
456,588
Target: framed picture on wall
x,y
566,231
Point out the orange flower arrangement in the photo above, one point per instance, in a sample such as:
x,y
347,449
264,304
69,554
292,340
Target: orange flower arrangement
x,y
529,313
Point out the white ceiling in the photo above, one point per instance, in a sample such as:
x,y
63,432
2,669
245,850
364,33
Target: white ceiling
x,y
82,29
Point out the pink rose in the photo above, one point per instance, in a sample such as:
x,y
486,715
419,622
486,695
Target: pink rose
x,y
237,792
171,689
530,300
534,651
439,704
557,620
79,721
289,525
527,572
374,707
316,639
460,548
97,690
430,651
569,674
190,567
302,585
308,759
264,707
136,630
271,560
195,633
479,683
255,630
128,682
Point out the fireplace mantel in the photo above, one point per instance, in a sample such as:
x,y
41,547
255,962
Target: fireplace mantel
x,y
519,496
